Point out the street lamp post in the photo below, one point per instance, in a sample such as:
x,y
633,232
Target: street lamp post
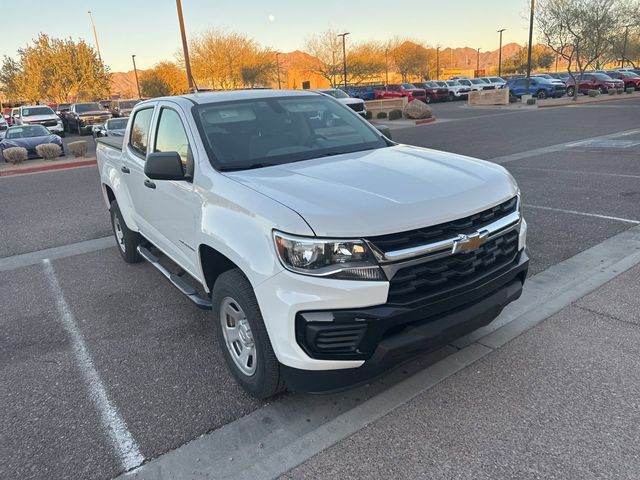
x,y
344,56
333,68
624,45
135,71
533,6
500,53
95,35
437,63
278,70
478,63
185,47
386,66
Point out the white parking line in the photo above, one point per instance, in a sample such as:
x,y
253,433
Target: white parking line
x,y
575,212
579,172
123,443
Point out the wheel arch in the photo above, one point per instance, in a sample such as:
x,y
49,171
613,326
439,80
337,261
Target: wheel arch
x,y
213,264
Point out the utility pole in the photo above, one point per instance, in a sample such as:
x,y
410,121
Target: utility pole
x,y
386,66
333,68
344,56
135,71
500,53
478,63
533,6
278,70
95,35
437,63
185,47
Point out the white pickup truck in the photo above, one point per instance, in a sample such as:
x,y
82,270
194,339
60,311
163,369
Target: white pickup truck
x,y
326,252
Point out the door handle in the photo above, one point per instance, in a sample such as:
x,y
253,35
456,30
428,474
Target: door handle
x,y
124,169
149,184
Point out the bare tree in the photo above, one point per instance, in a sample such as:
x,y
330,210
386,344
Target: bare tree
x,y
411,59
582,32
326,50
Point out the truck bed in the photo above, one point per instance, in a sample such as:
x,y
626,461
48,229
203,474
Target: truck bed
x,y
113,142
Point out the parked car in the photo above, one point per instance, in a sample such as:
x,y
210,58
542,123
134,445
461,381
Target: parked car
x,y
458,90
540,88
433,91
559,76
593,81
488,84
328,253
114,127
395,90
497,82
122,108
475,84
82,116
6,114
630,79
364,92
630,69
3,124
356,104
557,81
29,137
39,115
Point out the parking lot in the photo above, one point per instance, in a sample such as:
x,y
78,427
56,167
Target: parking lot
x,y
154,354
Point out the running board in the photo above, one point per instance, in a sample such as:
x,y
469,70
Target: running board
x,y
176,279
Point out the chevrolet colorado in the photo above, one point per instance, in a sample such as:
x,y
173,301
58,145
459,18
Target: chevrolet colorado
x,y
326,252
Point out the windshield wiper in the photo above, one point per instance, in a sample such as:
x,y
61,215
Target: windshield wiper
x,y
249,166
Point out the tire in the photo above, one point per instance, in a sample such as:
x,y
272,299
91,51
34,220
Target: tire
x,y
571,91
78,129
233,301
602,90
127,240
542,94
452,97
427,99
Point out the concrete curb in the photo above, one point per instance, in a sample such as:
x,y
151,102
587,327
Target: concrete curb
x,y
606,98
46,168
425,121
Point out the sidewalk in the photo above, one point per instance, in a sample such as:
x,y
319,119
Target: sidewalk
x,y
559,401
40,165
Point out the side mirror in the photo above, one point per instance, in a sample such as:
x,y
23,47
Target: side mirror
x,y
386,131
164,166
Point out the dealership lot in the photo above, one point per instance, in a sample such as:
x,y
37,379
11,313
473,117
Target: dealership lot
x,y
155,354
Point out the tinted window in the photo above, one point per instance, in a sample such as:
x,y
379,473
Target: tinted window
x,y
140,131
171,136
27,131
281,130
26,112
117,123
87,107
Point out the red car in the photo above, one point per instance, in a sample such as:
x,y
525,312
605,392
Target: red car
x,y
593,81
630,79
434,92
395,90
6,113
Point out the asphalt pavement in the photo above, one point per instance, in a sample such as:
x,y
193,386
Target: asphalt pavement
x,y
156,355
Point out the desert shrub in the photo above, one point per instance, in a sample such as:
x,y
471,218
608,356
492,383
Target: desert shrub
x,y
49,151
620,91
630,90
368,115
593,93
612,91
15,154
395,114
381,115
78,149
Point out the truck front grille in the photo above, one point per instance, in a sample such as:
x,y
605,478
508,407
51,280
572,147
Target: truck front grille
x,y
452,273
328,338
443,231
358,107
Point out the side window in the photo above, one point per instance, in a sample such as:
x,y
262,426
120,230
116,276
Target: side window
x,y
171,136
140,131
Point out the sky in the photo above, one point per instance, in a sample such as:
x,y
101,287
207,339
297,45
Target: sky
x,y
149,28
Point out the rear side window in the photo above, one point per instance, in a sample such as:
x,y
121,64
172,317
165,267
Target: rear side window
x,y
140,131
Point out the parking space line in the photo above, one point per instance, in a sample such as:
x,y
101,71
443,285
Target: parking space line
x,y
558,170
33,258
575,212
556,148
115,427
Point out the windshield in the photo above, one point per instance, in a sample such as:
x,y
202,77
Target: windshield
x,y
335,93
496,80
87,107
272,131
117,124
601,76
441,84
408,86
27,132
30,111
454,83
64,106
128,104
476,81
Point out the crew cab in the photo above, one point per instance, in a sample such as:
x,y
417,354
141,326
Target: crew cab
x,y
458,90
82,117
433,91
395,90
630,79
539,87
39,115
592,81
325,251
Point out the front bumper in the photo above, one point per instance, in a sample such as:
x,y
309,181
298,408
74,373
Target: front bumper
x,y
396,334
59,128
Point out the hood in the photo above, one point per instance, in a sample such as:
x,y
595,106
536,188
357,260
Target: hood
x,y
40,118
351,101
382,191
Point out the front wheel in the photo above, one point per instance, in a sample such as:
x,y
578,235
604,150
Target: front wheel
x,y
427,99
127,240
602,90
452,97
242,336
571,91
542,94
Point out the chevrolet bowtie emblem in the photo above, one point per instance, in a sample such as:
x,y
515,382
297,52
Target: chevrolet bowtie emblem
x,y
468,243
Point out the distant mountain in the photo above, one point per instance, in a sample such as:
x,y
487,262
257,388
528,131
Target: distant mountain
x,y
123,84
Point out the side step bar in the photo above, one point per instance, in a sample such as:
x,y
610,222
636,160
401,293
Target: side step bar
x,y
175,279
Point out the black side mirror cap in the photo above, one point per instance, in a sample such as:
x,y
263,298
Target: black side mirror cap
x,y
386,131
164,166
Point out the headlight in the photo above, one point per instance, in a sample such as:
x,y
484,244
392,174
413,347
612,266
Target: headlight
x,y
343,259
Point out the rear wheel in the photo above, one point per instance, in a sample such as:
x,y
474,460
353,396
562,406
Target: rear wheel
x,y
571,91
542,94
127,240
242,336
427,99
452,97
602,90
